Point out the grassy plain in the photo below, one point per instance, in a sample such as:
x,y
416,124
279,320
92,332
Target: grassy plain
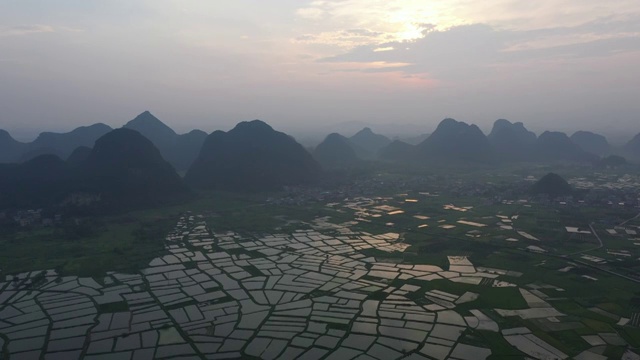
x,y
127,242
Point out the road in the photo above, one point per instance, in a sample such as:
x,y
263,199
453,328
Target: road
x,y
590,249
626,221
594,266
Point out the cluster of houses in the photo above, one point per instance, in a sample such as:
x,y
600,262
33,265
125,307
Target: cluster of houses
x,y
30,218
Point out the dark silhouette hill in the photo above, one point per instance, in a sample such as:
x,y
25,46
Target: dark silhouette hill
x,y
632,148
414,140
11,150
124,170
335,152
179,150
511,141
398,151
79,155
592,143
43,180
153,129
456,141
186,150
34,153
554,146
63,144
251,157
369,141
552,185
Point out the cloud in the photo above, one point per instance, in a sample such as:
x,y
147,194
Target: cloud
x,y
310,13
381,20
22,30
344,38
471,51
405,20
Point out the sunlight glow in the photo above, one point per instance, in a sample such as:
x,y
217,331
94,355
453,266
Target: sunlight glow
x,y
377,22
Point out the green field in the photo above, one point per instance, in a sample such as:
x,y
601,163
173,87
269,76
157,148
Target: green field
x,y
127,242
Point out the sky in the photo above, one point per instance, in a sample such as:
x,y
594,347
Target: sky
x,y
398,65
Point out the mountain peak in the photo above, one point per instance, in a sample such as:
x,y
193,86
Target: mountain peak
x,y
335,136
125,146
179,150
450,122
512,141
145,115
591,142
632,148
556,146
335,152
369,141
554,135
129,170
457,140
251,157
150,126
502,122
253,125
553,185
4,135
450,126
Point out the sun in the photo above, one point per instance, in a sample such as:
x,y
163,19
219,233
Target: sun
x,y
407,24
410,32
410,21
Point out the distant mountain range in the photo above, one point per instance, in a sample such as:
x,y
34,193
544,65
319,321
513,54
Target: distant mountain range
x,y
451,141
59,144
251,157
135,165
79,155
592,143
413,140
455,141
123,170
125,166
179,150
336,151
11,150
632,148
369,141
511,141
552,146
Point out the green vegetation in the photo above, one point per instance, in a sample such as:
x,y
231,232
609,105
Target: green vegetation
x,y
89,248
500,348
93,246
113,307
631,335
591,299
490,297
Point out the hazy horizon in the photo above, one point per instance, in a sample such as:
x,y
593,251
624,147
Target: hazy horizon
x,y
312,135
304,65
